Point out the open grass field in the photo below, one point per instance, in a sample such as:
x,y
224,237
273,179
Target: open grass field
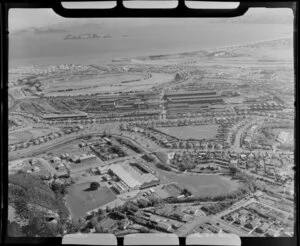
x,y
289,143
80,201
290,137
26,135
106,83
204,185
191,132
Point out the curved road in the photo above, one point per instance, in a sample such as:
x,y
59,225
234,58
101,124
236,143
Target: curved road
x,y
236,146
44,149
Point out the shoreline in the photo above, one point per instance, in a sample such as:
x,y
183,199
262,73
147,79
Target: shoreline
x,y
26,62
212,49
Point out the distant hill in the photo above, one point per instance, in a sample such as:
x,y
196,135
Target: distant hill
x,y
49,30
41,30
260,16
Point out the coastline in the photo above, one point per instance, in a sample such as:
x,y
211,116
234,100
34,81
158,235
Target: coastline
x,y
95,58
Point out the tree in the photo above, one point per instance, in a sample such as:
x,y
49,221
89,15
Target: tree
x,y
233,170
37,226
155,201
73,226
94,185
21,207
142,203
144,230
186,192
92,223
108,209
99,228
100,212
130,206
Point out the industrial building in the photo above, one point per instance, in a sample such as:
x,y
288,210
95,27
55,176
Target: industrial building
x,y
64,116
133,176
191,101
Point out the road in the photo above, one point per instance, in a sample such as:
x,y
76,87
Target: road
x,y
236,146
83,168
191,226
65,140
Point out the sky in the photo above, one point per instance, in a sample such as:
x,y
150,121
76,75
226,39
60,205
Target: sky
x,y
26,18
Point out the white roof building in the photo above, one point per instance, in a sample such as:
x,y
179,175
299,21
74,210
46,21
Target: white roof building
x,y
131,176
125,176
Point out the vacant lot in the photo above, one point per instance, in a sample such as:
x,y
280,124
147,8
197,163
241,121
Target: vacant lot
x,y
191,132
80,200
204,185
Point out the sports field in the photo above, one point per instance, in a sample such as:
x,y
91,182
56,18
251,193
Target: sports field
x,y
191,132
80,200
204,185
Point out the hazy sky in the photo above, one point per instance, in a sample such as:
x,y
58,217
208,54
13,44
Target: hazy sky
x,y
24,18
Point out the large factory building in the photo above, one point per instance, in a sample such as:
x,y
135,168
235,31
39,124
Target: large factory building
x,y
133,176
191,101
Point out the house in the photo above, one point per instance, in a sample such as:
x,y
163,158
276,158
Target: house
x,y
154,219
272,233
123,224
56,159
263,228
164,226
243,218
233,163
109,224
253,223
35,169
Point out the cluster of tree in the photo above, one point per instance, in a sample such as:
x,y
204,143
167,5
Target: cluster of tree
x,y
99,229
163,167
250,184
130,145
65,90
14,230
150,202
142,203
74,226
146,223
238,194
131,207
38,226
117,150
94,185
268,132
186,192
25,189
148,158
139,220
117,215
127,210
186,165
58,188
216,208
